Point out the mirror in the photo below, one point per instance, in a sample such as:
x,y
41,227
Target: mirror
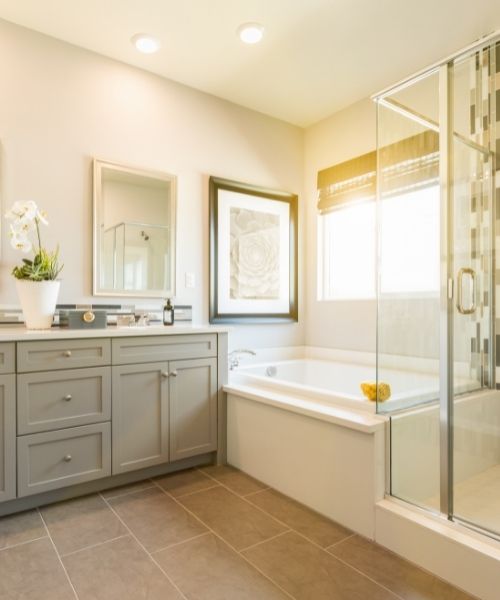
x,y
134,232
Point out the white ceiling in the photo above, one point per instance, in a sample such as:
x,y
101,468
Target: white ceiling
x,y
317,56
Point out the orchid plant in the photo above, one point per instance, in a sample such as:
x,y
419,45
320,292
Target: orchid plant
x,y
26,218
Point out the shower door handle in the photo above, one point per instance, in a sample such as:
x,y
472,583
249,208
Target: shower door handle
x,y
460,307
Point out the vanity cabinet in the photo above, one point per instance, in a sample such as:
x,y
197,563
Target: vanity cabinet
x,y
97,411
140,416
7,437
193,407
163,411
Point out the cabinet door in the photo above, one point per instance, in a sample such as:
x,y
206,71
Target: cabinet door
x,y
139,416
7,437
193,407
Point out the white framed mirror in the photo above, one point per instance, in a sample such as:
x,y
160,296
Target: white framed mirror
x,y
134,232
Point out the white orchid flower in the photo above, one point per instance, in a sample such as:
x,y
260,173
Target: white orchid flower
x,y
42,216
23,211
19,241
26,212
22,227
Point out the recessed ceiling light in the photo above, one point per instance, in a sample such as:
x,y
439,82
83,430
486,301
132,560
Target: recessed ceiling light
x,y
145,43
251,33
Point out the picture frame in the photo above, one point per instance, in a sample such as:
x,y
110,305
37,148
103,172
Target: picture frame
x,y
253,253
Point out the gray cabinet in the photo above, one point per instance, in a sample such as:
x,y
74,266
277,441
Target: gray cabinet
x,y
163,412
62,354
59,399
140,416
134,350
55,459
7,437
193,407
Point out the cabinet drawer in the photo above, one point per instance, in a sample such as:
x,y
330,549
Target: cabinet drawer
x,y
56,459
59,399
159,348
7,358
62,354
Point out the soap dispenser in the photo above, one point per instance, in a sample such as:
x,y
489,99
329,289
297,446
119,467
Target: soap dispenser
x,y
168,313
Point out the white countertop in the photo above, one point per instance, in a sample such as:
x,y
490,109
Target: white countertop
x,y
20,333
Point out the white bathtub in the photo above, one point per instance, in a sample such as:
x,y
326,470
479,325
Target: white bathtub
x,y
338,382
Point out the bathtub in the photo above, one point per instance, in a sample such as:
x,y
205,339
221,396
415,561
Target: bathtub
x,y
303,427
338,382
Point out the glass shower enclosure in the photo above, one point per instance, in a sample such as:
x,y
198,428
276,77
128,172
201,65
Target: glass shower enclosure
x,y
437,138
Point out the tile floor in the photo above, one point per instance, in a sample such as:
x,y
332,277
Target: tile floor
x,y
204,534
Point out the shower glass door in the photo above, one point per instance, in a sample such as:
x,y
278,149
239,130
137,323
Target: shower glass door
x,y
409,219
474,410
436,291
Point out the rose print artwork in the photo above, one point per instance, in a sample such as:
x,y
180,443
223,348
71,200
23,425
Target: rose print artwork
x,y
255,250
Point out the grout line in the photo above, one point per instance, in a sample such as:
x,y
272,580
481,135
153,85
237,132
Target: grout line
x,y
195,537
348,565
340,541
264,541
256,492
143,547
195,492
118,537
229,545
130,492
307,539
42,537
57,554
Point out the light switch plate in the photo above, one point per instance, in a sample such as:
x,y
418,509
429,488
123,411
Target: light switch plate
x,y
189,280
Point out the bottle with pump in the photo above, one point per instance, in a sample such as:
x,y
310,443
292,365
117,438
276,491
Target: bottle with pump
x,y
168,313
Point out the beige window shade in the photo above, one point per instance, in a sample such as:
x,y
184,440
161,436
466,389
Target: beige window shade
x,y
404,165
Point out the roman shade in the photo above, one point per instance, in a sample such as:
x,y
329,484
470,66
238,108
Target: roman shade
x,y
404,165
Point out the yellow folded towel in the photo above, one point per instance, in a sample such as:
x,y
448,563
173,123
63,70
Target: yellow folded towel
x,y
369,389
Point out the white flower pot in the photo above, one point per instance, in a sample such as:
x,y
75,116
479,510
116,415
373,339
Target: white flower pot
x,y
38,300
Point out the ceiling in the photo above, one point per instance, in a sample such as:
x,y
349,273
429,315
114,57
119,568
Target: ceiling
x,y
317,56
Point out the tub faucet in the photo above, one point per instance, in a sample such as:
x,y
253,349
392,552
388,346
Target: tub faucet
x,y
234,357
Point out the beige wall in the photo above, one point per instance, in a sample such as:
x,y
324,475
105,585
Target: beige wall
x,y
336,324
61,106
352,324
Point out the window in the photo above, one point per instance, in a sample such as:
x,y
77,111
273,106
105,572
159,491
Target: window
x,y
409,246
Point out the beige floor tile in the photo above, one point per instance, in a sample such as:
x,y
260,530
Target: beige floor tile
x,y
127,489
82,522
309,573
118,570
32,571
185,482
317,528
155,519
393,572
208,569
237,481
234,519
19,528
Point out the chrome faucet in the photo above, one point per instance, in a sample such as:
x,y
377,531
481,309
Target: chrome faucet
x,y
234,357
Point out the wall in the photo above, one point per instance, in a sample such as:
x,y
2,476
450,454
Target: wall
x,y
336,324
352,324
61,106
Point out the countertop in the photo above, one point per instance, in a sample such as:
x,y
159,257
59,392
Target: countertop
x,y
20,333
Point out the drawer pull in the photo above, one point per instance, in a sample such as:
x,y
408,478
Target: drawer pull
x,y
67,353
67,458
165,374
174,373
68,397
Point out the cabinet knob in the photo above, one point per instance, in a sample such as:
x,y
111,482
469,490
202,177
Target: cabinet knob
x,y
174,373
67,458
67,353
165,374
68,397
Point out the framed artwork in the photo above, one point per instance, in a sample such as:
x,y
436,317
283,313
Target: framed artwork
x,y
253,254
